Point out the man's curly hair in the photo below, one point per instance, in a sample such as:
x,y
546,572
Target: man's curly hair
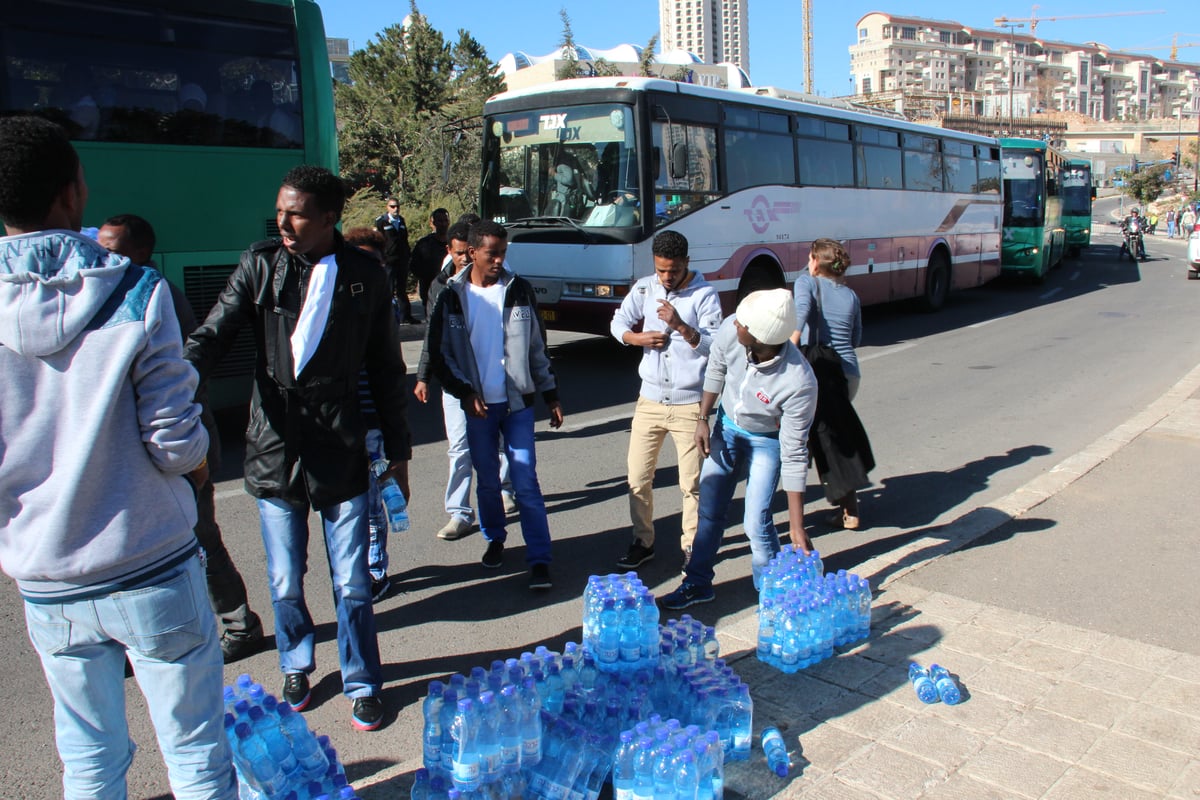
x,y
37,162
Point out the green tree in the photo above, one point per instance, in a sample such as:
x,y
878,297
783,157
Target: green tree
x,y
569,68
1146,184
405,118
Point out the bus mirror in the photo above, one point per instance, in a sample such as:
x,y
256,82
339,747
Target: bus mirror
x,y
679,160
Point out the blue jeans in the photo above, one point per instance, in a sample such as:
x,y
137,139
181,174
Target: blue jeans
x,y
170,635
458,485
285,537
377,523
483,438
735,454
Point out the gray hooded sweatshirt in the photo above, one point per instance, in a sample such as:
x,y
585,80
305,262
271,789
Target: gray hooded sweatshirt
x,y
97,421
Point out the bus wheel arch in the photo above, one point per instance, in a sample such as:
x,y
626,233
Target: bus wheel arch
x,y
937,279
763,272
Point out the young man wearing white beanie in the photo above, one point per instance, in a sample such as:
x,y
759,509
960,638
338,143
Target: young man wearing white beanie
x,y
767,396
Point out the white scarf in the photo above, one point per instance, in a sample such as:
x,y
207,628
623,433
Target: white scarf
x,y
315,312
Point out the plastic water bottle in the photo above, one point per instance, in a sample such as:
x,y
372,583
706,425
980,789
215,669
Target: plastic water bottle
x,y
531,725
449,708
305,747
393,499
608,642
431,734
775,750
947,689
488,741
643,769
630,639
918,676
741,721
623,767
420,787
510,729
262,769
466,772
280,749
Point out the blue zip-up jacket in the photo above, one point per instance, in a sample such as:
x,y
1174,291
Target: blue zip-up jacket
x,y
97,421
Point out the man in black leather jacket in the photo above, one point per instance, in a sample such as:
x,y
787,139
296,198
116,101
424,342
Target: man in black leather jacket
x,y
320,312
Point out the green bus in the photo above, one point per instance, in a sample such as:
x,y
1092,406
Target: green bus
x,y
185,112
1077,196
1034,240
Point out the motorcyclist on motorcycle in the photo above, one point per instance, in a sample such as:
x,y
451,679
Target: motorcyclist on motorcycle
x,y
1133,228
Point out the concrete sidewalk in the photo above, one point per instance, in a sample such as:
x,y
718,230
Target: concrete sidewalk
x,y
1052,709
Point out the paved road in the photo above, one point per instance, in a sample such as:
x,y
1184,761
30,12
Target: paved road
x,y
963,407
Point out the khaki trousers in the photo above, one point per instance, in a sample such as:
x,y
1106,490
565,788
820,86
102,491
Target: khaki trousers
x,y
651,424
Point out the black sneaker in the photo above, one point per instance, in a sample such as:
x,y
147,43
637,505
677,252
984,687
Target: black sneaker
x,y
295,690
236,646
368,713
380,588
539,577
638,554
493,558
688,594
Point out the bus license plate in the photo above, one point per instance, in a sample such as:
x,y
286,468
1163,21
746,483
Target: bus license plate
x,y
548,315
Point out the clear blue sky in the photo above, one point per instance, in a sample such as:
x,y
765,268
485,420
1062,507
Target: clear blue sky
x,y
775,37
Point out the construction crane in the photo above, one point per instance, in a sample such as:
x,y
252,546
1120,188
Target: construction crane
x,y
1033,19
806,26
1175,45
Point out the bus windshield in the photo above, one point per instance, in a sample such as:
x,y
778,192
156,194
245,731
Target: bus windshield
x,y
1024,195
577,164
1077,191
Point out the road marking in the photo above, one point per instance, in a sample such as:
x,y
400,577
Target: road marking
x,y
225,494
1051,293
889,351
990,321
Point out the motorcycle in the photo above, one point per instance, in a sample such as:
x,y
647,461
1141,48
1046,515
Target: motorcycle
x,y
1134,241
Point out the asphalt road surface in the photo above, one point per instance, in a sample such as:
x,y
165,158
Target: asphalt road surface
x,y
962,406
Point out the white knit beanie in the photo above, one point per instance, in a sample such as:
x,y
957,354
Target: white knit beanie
x,y
769,314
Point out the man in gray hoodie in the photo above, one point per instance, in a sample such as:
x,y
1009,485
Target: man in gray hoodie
x,y
99,429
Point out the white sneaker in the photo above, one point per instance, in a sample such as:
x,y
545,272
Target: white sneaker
x,y
456,528
510,502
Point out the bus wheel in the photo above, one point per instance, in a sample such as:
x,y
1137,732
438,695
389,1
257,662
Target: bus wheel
x,y
761,273
937,282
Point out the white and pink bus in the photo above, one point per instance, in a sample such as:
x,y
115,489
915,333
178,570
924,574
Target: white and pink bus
x,y
585,172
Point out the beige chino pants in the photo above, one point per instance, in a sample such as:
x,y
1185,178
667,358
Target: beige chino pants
x,y
651,424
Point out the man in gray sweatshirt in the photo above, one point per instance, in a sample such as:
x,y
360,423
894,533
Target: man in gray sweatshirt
x,y
99,429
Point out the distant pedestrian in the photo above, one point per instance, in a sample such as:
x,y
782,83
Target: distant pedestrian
x,y
678,313
1188,220
488,349
767,396
397,253
428,255
98,430
1171,223
241,629
371,241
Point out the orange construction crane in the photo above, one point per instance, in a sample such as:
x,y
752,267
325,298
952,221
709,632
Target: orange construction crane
x,y
1033,19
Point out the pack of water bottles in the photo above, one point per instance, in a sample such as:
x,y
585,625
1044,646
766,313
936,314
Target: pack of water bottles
x,y
664,760
803,614
620,623
274,752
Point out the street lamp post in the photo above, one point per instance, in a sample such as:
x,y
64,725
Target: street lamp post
x,y
1012,61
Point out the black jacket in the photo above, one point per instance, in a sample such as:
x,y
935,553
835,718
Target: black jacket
x,y
305,441
396,251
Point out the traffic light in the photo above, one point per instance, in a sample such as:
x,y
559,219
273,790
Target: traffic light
x,y
1175,159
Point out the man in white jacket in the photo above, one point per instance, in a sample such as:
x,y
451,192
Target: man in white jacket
x,y
679,312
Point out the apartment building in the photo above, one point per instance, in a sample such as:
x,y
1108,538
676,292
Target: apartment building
x,y
717,31
925,68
